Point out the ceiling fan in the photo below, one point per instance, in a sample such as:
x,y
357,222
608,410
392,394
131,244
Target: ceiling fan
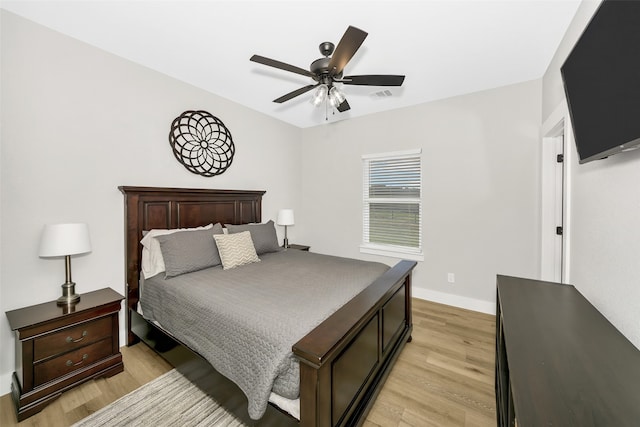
x,y
329,70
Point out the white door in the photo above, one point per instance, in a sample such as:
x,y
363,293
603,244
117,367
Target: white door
x,y
552,212
558,243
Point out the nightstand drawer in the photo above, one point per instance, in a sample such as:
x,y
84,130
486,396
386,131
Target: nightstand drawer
x,y
68,362
71,338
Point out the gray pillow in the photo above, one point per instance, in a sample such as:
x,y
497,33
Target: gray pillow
x,y
264,235
190,250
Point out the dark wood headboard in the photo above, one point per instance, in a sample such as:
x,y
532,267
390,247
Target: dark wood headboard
x,y
146,208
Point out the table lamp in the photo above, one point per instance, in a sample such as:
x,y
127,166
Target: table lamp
x,y
65,240
285,217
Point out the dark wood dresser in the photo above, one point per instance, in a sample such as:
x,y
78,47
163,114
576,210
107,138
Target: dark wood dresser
x,y
559,361
59,347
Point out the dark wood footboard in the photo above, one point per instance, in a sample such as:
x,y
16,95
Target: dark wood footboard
x,y
346,359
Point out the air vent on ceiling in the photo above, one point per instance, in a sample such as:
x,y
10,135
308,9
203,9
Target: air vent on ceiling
x,y
382,94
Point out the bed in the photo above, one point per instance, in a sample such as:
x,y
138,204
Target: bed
x,y
344,360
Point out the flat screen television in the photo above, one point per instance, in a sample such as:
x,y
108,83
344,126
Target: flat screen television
x,y
601,79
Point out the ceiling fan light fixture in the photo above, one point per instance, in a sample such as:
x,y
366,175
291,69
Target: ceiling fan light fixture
x,y
320,95
336,97
329,70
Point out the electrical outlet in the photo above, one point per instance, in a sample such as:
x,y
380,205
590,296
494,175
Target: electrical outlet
x,y
451,278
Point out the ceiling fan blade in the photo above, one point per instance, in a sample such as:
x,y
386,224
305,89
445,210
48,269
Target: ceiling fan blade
x,y
281,65
373,80
295,93
344,106
346,48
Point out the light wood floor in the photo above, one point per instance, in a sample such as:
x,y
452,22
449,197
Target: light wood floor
x,y
444,377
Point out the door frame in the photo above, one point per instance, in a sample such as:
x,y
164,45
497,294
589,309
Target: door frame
x,y
557,124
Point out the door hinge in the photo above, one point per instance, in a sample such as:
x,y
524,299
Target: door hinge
x,y
559,230
560,158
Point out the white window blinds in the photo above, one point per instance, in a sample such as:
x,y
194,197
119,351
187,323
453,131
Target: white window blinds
x,y
392,207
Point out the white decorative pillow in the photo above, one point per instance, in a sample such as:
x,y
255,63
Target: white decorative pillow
x,y
152,262
236,249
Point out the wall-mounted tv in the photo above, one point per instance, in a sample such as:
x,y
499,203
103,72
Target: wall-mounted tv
x,y
601,79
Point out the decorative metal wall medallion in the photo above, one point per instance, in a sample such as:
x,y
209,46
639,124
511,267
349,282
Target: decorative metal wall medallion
x,y
202,143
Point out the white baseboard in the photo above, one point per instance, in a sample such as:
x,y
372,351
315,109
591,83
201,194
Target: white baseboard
x,y
487,307
5,383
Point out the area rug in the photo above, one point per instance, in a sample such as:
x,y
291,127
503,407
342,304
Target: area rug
x,y
169,400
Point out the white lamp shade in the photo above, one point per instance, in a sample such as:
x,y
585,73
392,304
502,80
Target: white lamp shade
x,y
65,239
285,217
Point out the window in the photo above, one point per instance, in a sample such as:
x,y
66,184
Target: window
x,y
392,208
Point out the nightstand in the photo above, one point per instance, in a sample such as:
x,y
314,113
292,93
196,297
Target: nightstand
x,y
59,347
300,247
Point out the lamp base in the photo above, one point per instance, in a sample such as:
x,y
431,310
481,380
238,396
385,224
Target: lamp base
x,y
286,239
68,300
69,295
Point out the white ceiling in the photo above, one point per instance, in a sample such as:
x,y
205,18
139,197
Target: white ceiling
x,y
444,47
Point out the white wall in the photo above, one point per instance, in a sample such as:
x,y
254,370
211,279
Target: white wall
x,y
605,208
78,122
480,161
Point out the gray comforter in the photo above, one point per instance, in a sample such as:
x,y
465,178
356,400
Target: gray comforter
x,y
244,321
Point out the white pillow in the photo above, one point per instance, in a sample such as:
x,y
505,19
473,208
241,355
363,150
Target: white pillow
x,y
152,261
236,249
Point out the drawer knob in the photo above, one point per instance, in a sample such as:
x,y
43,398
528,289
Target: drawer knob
x,y
84,334
84,357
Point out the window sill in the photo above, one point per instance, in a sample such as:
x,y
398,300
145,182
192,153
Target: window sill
x,y
413,256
